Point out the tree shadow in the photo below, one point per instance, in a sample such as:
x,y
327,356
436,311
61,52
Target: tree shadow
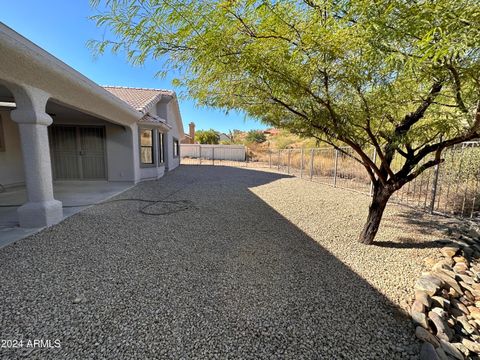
x,y
229,277
427,223
410,243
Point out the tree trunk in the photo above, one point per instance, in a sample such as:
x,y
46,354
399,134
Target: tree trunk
x,y
375,213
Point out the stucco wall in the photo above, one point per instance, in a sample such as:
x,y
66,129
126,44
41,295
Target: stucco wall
x,y
151,173
172,162
11,162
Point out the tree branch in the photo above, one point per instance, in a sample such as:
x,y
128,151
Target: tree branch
x,y
458,90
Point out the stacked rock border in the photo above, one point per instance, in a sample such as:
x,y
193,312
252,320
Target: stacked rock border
x,y
446,305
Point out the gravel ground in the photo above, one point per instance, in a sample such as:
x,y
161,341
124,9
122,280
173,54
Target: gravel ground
x,y
258,265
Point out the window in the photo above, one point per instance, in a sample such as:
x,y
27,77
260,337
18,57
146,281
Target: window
x,y
176,147
161,148
2,136
146,147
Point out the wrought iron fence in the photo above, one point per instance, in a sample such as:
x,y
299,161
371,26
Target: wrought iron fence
x,y
452,188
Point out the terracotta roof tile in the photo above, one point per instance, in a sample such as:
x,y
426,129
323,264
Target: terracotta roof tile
x,y
139,98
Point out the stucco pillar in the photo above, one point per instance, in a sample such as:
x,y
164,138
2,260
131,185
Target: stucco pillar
x,y
41,209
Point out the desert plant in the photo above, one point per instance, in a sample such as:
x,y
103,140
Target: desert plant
x,y
207,136
255,136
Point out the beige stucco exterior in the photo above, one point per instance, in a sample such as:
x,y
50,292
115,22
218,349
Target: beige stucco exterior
x,y
42,91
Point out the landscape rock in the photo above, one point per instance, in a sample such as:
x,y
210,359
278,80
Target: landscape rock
x,y
441,354
442,313
449,251
469,296
444,264
465,278
458,305
469,329
423,297
451,349
417,306
420,318
427,352
460,268
462,348
452,304
474,312
443,332
449,280
460,259
471,345
429,283
474,234
441,302
424,335
80,299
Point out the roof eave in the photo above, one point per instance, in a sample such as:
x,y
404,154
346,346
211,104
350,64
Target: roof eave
x,y
23,62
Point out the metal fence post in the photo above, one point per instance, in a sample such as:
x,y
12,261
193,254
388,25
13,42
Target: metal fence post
x,y
270,158
436,172
311,163
278,163
301,163
335,169
200,154
288,165
374,161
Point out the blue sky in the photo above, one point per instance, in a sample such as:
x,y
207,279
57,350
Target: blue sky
x,y
62,28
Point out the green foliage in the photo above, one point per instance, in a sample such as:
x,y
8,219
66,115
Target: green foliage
x,y
207,136
397,75
325,74
255,136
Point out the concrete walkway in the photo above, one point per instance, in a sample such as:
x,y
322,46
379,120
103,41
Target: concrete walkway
x,y
74,195
220,274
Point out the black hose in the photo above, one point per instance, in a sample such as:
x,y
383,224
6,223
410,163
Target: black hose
x,y
184,205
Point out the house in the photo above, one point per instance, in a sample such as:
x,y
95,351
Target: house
x,y
56,124
190,137
223,137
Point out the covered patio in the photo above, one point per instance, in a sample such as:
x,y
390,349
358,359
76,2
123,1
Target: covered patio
x,y
74,195
57,126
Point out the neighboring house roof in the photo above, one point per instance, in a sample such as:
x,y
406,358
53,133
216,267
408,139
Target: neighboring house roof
x,y
224,136
140,99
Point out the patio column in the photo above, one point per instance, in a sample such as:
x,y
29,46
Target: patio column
x,y
41,209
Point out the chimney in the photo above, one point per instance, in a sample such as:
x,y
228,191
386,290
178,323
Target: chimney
x,y
191,131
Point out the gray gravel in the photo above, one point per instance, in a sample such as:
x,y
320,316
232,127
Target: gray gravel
x,y
260,265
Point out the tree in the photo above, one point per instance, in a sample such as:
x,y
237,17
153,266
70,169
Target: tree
x,y
400,76
207,136
255,136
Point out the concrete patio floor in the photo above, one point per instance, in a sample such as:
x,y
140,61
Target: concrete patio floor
x,y
75,196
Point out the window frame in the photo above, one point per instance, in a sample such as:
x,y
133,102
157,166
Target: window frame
x,y
2,136
176,148
152,147
161,148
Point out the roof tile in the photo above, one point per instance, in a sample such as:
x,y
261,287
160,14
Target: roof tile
x,y
139,98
